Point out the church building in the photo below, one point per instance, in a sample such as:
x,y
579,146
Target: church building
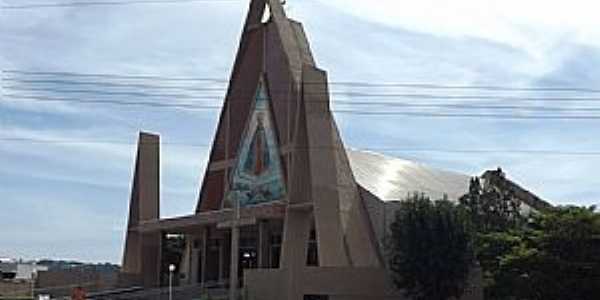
x,y
281,213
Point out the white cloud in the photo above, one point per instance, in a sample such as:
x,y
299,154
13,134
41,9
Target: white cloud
x,y
538,27
515,22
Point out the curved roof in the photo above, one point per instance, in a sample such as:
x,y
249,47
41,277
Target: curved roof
x,y
392,179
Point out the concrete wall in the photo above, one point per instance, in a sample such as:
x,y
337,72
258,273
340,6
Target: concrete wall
x,y
15,289
263,284
62,282
335,282
141,254
341,283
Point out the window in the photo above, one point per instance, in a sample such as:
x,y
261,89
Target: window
x,y
266,17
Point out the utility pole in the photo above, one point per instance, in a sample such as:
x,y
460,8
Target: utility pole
x,y
33,282
235,223
235,251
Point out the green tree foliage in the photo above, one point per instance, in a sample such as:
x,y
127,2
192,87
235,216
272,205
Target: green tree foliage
x,y
556,256
492,208
430,252
172,252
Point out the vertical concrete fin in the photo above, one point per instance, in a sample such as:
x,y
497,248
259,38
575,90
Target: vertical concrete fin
x,y
360,240
323,170
140,253
289,40
343,227
255,13
294,249
244,79
299,182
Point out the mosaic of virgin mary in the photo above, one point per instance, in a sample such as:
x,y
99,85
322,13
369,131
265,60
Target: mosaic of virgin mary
x,y
258,176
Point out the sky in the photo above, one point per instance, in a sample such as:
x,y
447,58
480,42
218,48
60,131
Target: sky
x,y
65,199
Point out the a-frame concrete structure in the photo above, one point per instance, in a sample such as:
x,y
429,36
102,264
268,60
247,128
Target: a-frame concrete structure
x,y
319,178
142,250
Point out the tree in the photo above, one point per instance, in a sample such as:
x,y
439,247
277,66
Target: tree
x,y
551,254
554,257
171,253
491,208
430,252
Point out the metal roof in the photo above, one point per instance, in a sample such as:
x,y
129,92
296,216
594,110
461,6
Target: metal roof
x,y
392,179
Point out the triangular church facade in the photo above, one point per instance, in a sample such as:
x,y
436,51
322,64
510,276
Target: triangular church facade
x,y
278,195
276,90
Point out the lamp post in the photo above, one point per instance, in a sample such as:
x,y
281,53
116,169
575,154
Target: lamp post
x,y
33,284
171,270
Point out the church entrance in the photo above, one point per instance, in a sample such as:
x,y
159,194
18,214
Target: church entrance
x,y
248,260
248,256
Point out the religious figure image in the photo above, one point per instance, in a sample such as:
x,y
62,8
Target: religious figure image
x,y
258,159
258,177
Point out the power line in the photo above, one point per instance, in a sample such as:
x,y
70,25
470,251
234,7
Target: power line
x,y
111,84
353,95
113,76
468,106
490,151
473,87
109,93
374,149
363,112
337,111
88,141
468,115
116,102
341,83
367,104
105,3
469,97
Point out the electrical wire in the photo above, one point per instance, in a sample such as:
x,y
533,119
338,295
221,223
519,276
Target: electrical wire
x,y
374,149
105,3
113,76
338,102
349,94
333,83
190,106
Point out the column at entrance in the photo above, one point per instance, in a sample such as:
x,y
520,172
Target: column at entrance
x,y
235,224
197,252
203,255
188,263
221,275
262,247
210,257
195,266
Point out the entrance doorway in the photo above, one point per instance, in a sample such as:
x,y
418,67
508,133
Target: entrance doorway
x,y
248,260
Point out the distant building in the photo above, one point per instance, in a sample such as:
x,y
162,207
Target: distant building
x,y
497,179
15,289
61,277
17,278
13,269
60,283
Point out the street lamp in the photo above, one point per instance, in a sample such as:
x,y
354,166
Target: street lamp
x,y
171,270
33,283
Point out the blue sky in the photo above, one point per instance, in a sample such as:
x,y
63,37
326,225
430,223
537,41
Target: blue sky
x,y
69,200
